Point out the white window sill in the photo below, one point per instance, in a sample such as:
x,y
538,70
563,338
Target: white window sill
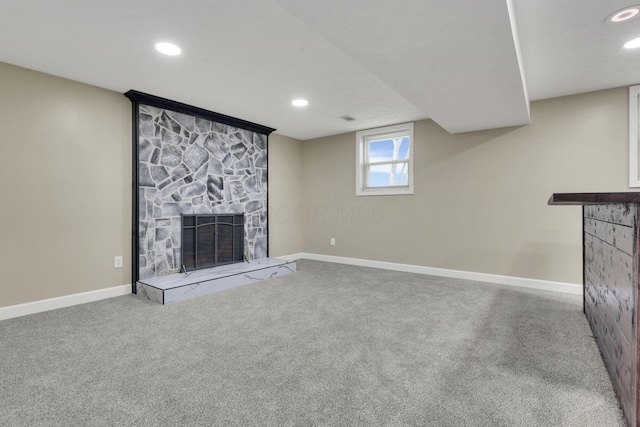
x,y
384,192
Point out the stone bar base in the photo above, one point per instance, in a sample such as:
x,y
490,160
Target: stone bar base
x,y
180,287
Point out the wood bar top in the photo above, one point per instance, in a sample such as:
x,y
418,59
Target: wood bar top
x,y
594,198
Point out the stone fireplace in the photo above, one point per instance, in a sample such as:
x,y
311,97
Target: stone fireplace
x,y
200,201
194,163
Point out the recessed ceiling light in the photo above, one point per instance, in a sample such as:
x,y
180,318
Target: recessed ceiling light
x,y
300,102
632,44
624,15
168,49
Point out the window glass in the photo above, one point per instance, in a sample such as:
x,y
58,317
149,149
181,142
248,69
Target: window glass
x,y
385,162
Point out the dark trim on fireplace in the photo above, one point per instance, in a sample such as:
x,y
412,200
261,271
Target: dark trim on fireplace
x,y
135,203
268,187
584,268
156,101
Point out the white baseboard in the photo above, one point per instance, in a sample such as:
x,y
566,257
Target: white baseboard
x,y
292,257
84,297
61,302
568,288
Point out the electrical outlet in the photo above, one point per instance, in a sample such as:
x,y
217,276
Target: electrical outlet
x,y
117,262
333,241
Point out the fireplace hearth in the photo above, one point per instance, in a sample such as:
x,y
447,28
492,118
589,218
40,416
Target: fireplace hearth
x,y
211,240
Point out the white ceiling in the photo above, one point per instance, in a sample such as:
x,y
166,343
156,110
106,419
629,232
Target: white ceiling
x,y
467,64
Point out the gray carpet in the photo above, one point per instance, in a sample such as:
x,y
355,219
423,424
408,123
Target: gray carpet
x,y
329,345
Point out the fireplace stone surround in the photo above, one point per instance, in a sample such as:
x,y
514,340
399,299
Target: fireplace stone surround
x,y
190,161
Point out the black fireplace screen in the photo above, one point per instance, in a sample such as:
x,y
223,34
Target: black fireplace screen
x,y
211,240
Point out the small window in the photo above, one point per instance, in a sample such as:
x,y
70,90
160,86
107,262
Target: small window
x,y
385,161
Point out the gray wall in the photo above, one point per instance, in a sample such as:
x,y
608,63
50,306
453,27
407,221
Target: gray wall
x,y
65,180
480,201
285,195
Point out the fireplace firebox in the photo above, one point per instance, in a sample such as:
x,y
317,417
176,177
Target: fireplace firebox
x,y
211,240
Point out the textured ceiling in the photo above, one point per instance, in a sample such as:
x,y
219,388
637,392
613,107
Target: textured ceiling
x,y
468,65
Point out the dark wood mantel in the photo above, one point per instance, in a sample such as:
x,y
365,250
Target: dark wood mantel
x,y
611,248
594,198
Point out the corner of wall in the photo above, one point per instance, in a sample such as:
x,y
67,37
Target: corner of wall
x,y
285,195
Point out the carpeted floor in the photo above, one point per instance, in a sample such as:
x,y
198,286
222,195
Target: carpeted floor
x,y
329,345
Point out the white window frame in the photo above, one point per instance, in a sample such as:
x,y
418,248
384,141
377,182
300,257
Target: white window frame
x,y
634,136
362,188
